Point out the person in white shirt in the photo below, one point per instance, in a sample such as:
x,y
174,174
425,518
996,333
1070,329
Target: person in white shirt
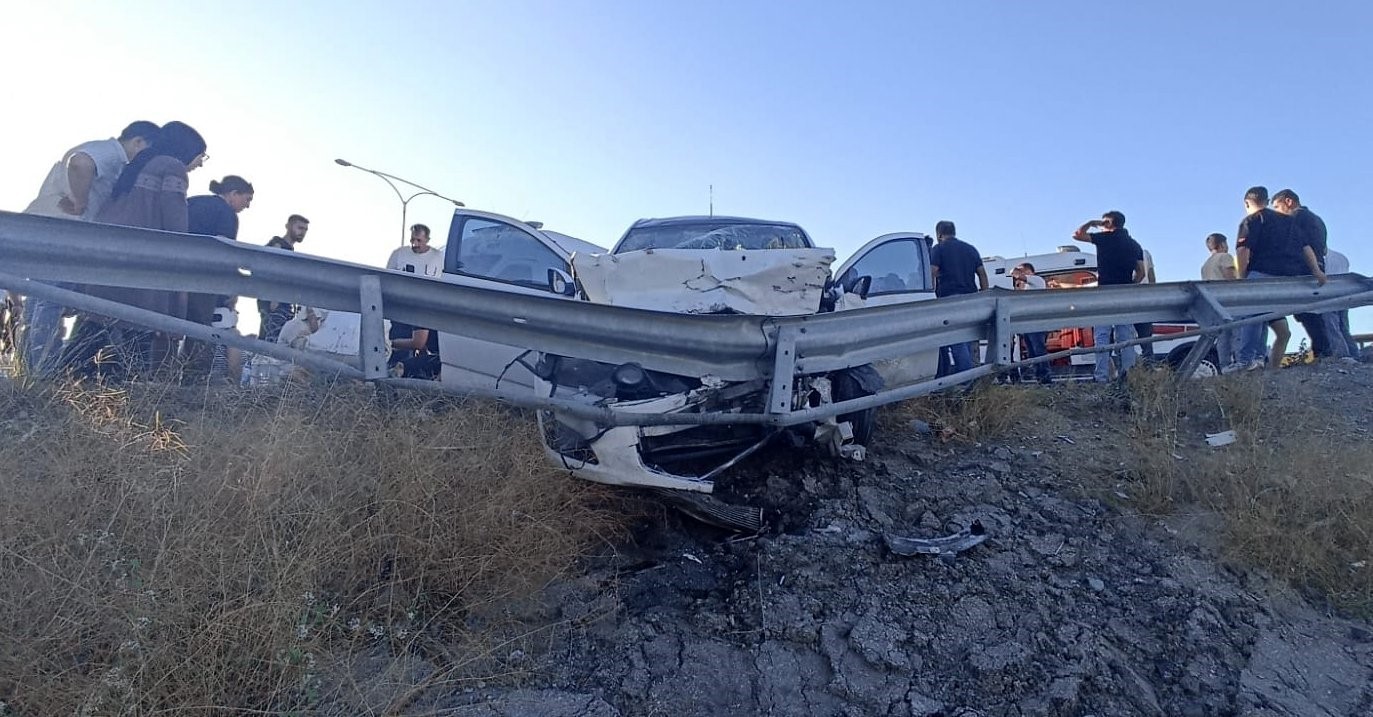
x,y
418,258
1024,278
1220,266
76,187
1146,329
80,184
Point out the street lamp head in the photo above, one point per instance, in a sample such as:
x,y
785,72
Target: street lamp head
x,y
343,163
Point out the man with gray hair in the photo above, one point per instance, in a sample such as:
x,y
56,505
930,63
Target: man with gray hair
x,y
76,187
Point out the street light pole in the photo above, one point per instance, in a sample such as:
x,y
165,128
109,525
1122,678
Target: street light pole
x,y
404,200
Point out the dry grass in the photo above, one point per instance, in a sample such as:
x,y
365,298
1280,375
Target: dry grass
x,y
988,411
1295,491
166,553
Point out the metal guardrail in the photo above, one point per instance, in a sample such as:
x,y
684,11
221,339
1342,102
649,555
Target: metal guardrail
x,y
731,347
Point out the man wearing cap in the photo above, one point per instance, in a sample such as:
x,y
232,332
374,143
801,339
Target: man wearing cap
x,y
1323,329
76,187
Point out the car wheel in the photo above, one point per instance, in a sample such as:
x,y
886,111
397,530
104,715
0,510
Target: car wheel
x,y
1208,367
847,386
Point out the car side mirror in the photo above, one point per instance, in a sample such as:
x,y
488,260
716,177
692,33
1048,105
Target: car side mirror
x,y
560,283
861,286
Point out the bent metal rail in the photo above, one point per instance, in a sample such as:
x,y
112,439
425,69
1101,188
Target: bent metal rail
x,y
734,347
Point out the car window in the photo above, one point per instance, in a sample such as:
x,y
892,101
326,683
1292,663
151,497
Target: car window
x,y
499,251
895,267
713,235
1075,279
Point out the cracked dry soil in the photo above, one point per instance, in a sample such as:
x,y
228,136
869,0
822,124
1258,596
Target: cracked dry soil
x,y
1072,606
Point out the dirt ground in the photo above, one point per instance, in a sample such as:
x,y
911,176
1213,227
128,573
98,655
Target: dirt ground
x,y
1075,605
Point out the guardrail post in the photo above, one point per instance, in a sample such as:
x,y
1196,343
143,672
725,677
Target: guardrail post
x,y
1208,313
372,336
1001,333
783,370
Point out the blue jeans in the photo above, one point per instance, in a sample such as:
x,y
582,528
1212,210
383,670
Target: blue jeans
x,y
1225,347
1335,335
41,341
1349,342
1034,348
962,355
1101,336
1253,338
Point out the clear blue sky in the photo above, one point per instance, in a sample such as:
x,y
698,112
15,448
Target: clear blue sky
x,y
1017,120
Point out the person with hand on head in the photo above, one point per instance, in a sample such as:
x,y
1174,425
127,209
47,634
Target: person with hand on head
x,y
1120,261
151,194
77,187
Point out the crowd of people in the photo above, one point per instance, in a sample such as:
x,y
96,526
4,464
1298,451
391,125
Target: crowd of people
x,y
141,178
1278,237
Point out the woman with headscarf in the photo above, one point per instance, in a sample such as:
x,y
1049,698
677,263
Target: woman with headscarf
x,y
150,193
216,215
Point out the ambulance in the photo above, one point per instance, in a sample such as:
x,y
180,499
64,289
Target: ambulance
x,y
1070,269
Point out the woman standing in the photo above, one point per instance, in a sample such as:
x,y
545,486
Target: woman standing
x,y
216,215
150,193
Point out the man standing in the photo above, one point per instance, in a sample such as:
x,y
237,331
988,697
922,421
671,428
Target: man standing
x,y
1145,329
77,187
1322,328
957,269
418,258
274,315
1119,260
1025,279
1220,266
1337,263
1268,244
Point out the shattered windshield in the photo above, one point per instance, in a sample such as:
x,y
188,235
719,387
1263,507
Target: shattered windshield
x,y
714,235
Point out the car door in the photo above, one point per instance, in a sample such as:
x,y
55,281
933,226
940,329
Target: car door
x,y
489,251
899,265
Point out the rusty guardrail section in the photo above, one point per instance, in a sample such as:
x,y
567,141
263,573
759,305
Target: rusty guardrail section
x,y
733,347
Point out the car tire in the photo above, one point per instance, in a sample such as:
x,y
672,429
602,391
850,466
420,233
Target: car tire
x,y
1207,368
846,387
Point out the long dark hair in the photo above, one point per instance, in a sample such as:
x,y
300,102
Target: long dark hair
x,y
231,183
177,139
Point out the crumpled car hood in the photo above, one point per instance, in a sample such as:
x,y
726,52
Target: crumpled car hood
x,y
766,282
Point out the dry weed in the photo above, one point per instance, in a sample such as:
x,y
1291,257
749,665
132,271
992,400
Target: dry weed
x,y
1295,494
987,411
169,552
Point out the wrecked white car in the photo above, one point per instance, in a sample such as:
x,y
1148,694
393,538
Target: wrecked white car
x,y
682,265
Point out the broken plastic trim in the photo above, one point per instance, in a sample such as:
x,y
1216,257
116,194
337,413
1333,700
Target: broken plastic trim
x,y
712,511
948,545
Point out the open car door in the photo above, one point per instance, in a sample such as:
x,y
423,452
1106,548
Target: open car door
x,y
896,268
490,251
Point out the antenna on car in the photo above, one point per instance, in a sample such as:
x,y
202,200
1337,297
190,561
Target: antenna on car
x,y
712,200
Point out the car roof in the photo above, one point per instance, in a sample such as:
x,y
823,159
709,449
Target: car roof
x,y
570,244
705,218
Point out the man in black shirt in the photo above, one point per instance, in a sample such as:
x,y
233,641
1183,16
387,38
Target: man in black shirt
x,y
1326,337
957,269
1119,261
1269,244
274,315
